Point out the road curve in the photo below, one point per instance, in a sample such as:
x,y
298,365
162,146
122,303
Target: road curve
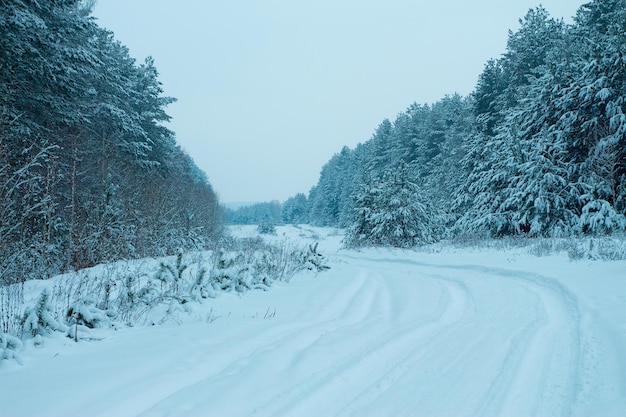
x,y
399,337
381,333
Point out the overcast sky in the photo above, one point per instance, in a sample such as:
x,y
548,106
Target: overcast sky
x,y
269,90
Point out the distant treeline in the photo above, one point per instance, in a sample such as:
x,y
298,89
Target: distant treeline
x,y
293,211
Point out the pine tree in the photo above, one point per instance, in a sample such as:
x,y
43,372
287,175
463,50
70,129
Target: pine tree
x,y
595,102
39,320
393,212
331,199
9,347
295,210
541,196
495,199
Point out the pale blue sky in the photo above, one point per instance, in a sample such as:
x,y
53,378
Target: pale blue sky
x,y
269,90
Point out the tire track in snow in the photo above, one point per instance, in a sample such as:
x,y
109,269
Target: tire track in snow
x,y
376,361
545,356
203,358
551,365
356,360
348,309
440,355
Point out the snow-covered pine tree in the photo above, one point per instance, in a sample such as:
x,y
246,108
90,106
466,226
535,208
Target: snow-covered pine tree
x,y
393,212
39,319
451,118
267,227
381,146
490,200
541,196
9,347
313,260
83,315
330,200
595,99
599,217
295,210
490,162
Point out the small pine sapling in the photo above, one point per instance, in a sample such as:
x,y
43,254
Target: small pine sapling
x,y
267,227
172,274
315,261
200,288
9,346
224,273
83,314
39,320
264,272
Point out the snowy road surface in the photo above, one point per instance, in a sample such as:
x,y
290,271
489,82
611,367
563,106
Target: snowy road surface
x,y
384,333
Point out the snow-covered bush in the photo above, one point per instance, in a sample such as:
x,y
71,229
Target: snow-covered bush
x,y
39,319
266,268
280,262
83,314
200,287
258,266
231,272
315,261
273,263
131,292
9,347
172,275
266,227
603,248
134,295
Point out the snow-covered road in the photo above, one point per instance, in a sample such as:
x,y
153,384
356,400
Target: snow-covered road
x,y
382,333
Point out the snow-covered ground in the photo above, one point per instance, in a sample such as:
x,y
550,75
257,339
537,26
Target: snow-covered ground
x,y
451,332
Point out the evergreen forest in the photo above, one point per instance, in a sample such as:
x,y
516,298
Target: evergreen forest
x,y
88,171
537,150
